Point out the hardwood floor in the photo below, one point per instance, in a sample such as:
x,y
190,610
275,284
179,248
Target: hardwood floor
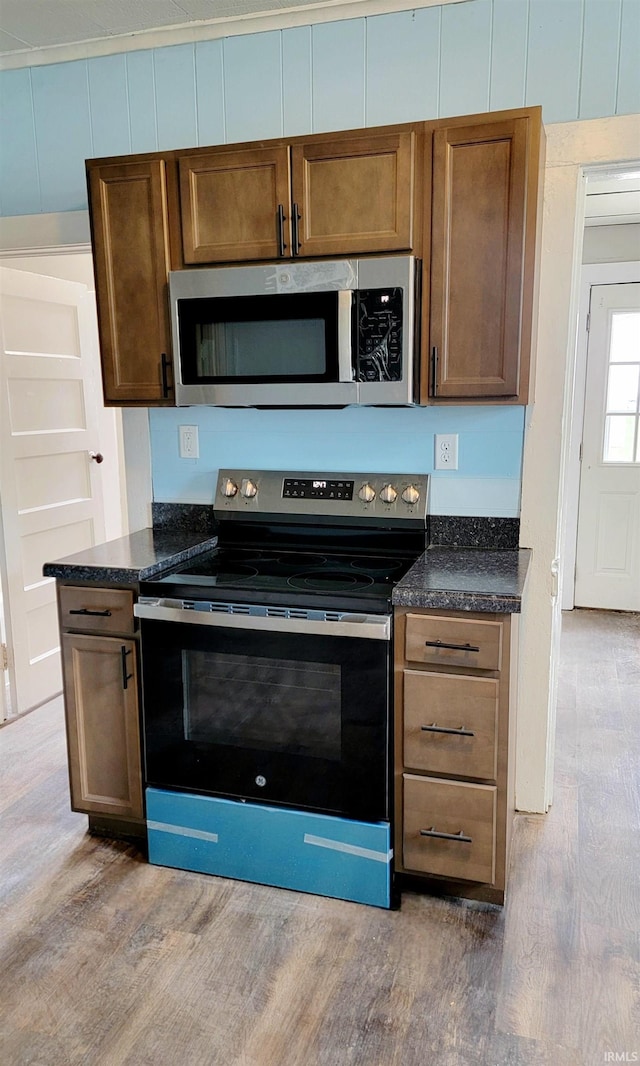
x,y
107,961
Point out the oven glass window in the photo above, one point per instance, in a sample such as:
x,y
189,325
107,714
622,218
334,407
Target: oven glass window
x,y
284,705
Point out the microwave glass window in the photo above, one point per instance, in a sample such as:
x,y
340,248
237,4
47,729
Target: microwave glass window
x,y
279,338
281,348
250,701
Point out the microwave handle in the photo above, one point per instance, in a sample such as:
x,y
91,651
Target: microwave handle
x,y
345,355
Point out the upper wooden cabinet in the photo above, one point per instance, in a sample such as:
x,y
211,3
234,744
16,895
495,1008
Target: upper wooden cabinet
x,y
477,310
330,195
130,230
461,194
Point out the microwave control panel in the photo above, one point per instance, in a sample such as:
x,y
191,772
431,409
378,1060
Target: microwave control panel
x,y
379,335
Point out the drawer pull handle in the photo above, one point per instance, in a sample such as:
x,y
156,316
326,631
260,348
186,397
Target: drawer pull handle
x,y
461,836
459,732
452,647
124,651
94,614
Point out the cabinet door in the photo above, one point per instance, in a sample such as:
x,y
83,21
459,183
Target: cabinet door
x,y
479,205
235,205
103,732
354,195
130,233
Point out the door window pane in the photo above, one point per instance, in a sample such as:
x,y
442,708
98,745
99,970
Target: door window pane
x,y
622,394
619,438
625,337
622,417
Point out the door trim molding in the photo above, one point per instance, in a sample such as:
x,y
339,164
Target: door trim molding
x,y
592,274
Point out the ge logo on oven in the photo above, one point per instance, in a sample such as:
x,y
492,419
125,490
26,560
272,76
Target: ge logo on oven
x,y
261,781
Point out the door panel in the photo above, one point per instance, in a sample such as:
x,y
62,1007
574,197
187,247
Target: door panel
x,y
51,490
230,203
608,547
355,195
130,230
477,264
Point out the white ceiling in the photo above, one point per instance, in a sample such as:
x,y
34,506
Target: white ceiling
x,y
27,27
28,24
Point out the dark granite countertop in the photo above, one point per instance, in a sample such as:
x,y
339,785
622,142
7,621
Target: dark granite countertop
x,y
465,579
136,557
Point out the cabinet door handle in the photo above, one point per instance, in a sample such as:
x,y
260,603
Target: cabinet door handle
x,y
280,231
460,732
434,370
451,647
124,651
295,236
461,836
95,614
165,362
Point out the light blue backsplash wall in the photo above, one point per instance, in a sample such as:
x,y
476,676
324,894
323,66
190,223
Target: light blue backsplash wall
x,y
367,439
577,58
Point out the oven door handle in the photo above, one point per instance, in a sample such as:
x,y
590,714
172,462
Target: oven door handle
x,y
364,626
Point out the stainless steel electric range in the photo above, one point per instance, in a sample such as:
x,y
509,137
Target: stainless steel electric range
x,y
266,671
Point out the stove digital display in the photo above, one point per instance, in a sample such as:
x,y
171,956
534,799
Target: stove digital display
x,y
317,489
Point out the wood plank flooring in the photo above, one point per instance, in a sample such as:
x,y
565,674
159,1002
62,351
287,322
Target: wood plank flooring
x,y
107,961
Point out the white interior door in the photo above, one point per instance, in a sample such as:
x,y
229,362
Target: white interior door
x,y
50,494
608,547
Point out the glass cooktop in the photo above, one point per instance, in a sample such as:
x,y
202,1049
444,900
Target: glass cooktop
x,y
352,581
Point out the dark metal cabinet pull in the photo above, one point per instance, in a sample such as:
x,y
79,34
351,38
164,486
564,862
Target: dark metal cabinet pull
x,y
124,651
451,647
165,362
461,836
460,732
434,370
280,231
94,614
295,237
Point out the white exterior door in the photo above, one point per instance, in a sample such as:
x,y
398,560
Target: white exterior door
x,y
608,548
50,494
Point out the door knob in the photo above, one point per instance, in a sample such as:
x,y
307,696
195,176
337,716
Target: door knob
x,y
98,457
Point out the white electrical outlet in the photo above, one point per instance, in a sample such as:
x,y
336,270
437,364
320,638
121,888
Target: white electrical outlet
x,y
189,448
446,457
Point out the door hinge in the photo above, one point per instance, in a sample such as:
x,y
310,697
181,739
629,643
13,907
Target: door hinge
x,y
588,321
4,657
580,453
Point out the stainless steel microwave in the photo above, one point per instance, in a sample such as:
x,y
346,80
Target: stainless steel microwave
x,y
312,334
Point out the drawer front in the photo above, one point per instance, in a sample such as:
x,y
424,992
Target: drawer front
x,y
96,610
453,641
455,810
450,723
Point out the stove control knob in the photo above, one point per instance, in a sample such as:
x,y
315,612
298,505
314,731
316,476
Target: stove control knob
x,y
228,487
249,488
389,494
411,494
367,493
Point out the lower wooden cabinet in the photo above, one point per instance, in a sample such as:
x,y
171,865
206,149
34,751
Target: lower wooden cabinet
x,y
454,738
100,674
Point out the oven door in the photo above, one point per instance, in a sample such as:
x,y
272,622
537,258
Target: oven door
x,y
279,710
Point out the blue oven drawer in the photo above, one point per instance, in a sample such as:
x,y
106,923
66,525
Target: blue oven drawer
x,y
272,846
